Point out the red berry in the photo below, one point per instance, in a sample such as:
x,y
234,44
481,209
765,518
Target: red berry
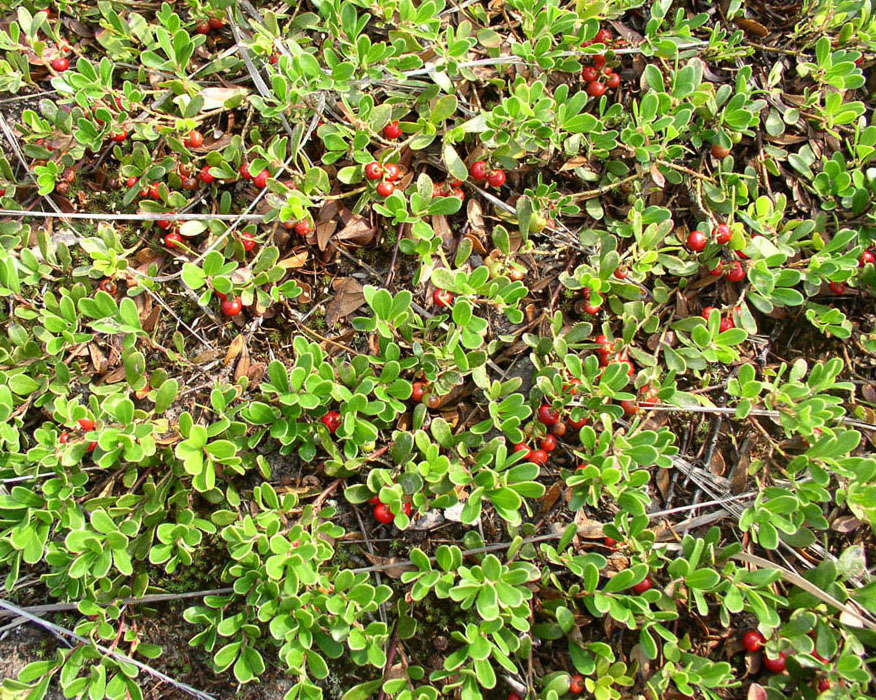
x,y
274,59
496,178
576,684
374,500
598,61
457,192
521,447
622,272
726,324
572,385
589,74
577,424
172,240
392,172
610,543
837,287
736,273
232,307
216,23
595,88
602,340
164,224
384,189
60,64
303,228
630,408
220,295
418,390
203,28
195,139
719,151
591,309
558,429
392,130
261,180
92,446
247,240
190,184
867,257
603,36
406,509
205,176
722,234
547,415
696,241
373,171
776,665
753,641
383,514
131,181
154,192
707,312
539,457
514,696
478,170
718,270
244,171
824,685
107,286
613,81
86,423
645,585
64,438
119,136
332,421
548,443
442,297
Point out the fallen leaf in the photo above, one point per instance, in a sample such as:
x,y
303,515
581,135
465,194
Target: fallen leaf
x,y
116,375
242,369
442,228
98,359
751,27
234,349
256,373
293,262
587,528
348,297
357,230
215,97
551,496
205,357
324,233
575,162
396,566
657,176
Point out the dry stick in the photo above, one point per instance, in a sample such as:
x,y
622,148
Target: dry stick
x,y
753,412
58,630
136,216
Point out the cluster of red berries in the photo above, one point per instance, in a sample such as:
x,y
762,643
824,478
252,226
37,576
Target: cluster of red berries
x,y
383,513
480,171
726,321
387,173
420,394
867,258
302,227
698,240
449,189
260,180
550,419
597,71
753,641
648,395
589,307
85,424
205,26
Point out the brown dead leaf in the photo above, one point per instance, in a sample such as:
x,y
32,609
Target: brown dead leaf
x,y
845,524
348,297
396,566
115,376
98,359
149,322
324,233
476,244
306,295
587,528
657,176
205,357
234,349
551,496
293,262
256,373
575,162
357,230
663,481
242,369
751,27
756,692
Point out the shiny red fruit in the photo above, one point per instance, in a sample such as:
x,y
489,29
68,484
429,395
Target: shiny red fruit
x,y
613,81
776,665
332,421
392,130
374,500
303,228
622,272
577,424
726,324
384,189
164,224
478,170
558,429
247,240
261,180
719,151
722,234
595,88
718,270
514,696
592,309
195,139
824,685
589,74
190,183
547,415
496,178
548,443
244,171
538,457
131,181
373,171
707,312
598,61
391,172
203,28
442,297
92,446
867,257
610,543
630,408
576,684
837,287
696,241
120,136
86,423
154,192
418,390
64,438
603,36
172,240
520,447
383,514
753,641
232,307
645,585
736,273
205,176
406,509
60,64
216,23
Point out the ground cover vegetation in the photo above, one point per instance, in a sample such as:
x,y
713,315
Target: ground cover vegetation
x,y
416,349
